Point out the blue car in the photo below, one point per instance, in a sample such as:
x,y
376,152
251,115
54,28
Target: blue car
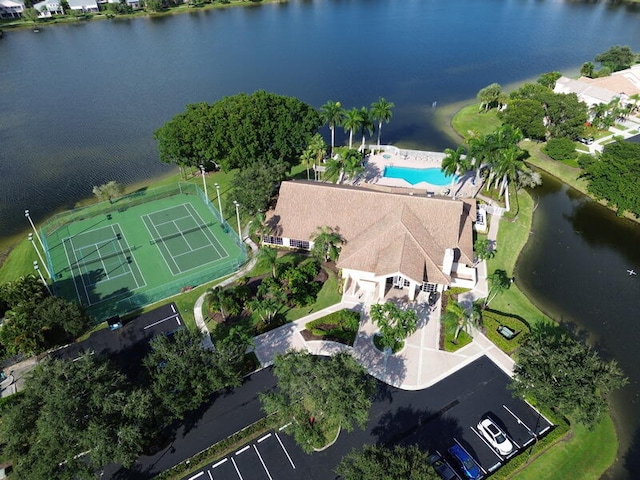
x,y
465,462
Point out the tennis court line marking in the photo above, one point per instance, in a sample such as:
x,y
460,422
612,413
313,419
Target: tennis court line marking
x,y
158,236
183,237
164,320
84,285
96,249
219,244
175,219
165,209
133,258
75,283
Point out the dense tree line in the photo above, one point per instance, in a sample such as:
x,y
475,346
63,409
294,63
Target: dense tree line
x,y
614,176
36,321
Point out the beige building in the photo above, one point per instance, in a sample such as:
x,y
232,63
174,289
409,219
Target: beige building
x,y
593,91
394,237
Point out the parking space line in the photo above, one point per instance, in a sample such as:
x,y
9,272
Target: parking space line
x,y
284,426
236,467
243,449
210,476
262,462
219,463
264,438
196,475
531,432
471,456
486,443
285,451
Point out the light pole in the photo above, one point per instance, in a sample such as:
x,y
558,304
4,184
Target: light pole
x,y
238,217
26,214
36,267
44,264
219,202
204,182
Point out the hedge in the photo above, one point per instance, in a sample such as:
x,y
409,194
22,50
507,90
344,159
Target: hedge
x,y
220,449
492,319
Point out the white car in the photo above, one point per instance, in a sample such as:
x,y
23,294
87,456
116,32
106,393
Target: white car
x,y
495,436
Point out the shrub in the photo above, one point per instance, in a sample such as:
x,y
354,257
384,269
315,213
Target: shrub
x,y
560,149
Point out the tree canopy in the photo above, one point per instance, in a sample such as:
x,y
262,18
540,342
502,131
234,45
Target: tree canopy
x,y
74,417
36,321
184,374
318,396
395,324
557,370
617,58
615,176
239,131
377,462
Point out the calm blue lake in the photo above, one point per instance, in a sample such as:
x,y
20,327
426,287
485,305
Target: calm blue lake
x,y
79,105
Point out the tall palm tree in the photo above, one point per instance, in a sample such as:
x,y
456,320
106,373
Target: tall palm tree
x,y
457,319
332,114
453,163
352,121
366,126
381,112
308,158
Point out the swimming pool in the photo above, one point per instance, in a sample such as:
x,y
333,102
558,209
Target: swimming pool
x,y
434,176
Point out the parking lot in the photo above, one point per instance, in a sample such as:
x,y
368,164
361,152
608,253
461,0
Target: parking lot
x,y
434,419
267,458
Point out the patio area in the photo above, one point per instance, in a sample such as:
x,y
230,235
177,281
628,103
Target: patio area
x,y
389,156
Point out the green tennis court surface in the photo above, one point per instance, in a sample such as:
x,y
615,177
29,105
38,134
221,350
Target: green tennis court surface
x,y
116,257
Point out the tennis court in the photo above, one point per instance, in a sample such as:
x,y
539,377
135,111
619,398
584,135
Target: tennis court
x,y
115,257
183,238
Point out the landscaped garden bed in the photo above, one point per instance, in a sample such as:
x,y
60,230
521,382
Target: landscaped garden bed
x,y
341,326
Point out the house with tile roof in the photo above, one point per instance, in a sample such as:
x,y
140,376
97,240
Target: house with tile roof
x,y
594,91
48,8
84,6
393,238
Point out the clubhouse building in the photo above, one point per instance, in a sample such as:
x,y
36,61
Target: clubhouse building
x,y
394,238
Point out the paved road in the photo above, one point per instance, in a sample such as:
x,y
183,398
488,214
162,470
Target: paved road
x,y
431,418
222,417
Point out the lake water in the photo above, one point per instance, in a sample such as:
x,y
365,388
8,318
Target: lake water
x,y
79,103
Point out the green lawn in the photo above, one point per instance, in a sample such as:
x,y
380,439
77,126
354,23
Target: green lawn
x,y
327,296
470,120
582,455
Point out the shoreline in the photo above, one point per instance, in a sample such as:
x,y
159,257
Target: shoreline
x,y
104,15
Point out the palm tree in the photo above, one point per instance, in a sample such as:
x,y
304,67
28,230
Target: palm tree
x,y
455,319
352,121
334,168
352,164
327,244
332,114
270,257
308,158
636,98
366,125
381,112
455,161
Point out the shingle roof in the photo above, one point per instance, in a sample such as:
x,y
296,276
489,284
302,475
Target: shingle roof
x,y
386,230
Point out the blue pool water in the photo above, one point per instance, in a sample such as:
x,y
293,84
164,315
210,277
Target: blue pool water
x,y
434,176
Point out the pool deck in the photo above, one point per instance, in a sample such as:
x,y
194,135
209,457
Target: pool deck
x,y
376,163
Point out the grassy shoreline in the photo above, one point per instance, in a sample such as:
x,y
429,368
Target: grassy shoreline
x,y
103,15
566,458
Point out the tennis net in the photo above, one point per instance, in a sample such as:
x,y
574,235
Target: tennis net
x,y
86,260
153,241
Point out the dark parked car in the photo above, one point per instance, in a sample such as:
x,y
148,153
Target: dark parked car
x,y
465,462
433,298
441,466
